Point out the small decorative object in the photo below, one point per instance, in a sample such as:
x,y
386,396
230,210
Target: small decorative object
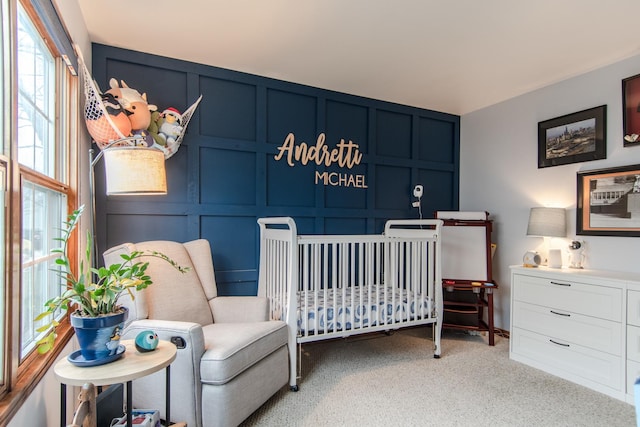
x,y
576,254
94,293
608,202
531,259
576,137
146,341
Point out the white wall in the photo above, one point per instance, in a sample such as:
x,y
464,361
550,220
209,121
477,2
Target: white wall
x,y
499,170
42,407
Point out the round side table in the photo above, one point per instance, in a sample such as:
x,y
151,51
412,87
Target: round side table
x,y
130,366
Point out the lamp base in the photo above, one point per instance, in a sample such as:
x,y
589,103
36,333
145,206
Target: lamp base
x,y
555,258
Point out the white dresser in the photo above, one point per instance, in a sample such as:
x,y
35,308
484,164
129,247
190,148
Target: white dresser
x,y
581,325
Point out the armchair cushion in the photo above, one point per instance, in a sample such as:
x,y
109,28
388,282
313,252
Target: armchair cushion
x,y
234,347
239,309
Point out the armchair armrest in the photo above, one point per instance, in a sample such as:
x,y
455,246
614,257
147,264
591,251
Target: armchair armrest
x,y
239,309
185,369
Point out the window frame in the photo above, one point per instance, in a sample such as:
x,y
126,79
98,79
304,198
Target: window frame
x,y
21,378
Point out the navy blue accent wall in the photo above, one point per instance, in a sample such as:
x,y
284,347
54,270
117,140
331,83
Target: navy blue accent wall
x,y
225,176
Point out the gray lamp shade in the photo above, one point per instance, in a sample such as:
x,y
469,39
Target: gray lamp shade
x,y
547,222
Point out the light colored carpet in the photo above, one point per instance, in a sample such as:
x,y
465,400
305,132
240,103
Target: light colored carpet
x,y
379,380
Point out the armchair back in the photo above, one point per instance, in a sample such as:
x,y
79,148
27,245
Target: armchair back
x,y
173,295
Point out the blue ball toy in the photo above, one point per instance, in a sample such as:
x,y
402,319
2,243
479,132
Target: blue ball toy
x,y
146,341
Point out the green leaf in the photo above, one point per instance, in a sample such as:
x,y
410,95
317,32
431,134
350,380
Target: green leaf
x,y
42,316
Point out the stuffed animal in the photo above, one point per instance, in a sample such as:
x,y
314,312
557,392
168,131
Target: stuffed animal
x,y
99,127
171,128
134,103
154,125
143,138
165,128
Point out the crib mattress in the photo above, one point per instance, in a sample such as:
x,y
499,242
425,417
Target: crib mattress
x,y
358,307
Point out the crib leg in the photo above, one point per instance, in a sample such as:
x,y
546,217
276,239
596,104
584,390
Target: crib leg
x,y
436,334
299,361
295,360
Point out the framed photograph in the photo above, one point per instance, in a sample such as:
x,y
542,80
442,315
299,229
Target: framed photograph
x,y
577,137
631,110
609,202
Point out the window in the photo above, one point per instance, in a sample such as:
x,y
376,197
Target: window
x,y
43,211
3,237
36,95
43,206
4,112
39,125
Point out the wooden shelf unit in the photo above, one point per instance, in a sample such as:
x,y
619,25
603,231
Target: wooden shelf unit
x,y
465,304
467,279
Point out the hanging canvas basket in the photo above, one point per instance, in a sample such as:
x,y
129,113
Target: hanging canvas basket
x,y
108,121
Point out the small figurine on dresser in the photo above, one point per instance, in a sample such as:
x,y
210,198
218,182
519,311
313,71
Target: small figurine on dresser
x,y
576,254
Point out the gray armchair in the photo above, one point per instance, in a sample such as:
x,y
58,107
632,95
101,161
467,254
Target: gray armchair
x,y
231,357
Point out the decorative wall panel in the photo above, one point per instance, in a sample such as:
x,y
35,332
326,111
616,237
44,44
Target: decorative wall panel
x,y
394,134
337,163
231,113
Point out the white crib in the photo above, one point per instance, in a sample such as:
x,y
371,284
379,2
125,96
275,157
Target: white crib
x,y
330,286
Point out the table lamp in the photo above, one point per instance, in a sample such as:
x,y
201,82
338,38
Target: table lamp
x,y
548,222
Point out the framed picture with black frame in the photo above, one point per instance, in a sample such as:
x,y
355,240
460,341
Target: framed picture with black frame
x,y
631,110
608,202
573,138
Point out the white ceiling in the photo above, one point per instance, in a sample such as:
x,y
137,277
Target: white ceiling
x,y
454,56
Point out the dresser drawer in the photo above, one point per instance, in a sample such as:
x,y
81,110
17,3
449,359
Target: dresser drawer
x,y
633,343
587,331
633,308
599,370
590,300
633,373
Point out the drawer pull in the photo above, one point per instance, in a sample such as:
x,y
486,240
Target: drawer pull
x,y
560,314
559,343
559,283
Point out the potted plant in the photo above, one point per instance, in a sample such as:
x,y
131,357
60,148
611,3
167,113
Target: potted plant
x,y
93,295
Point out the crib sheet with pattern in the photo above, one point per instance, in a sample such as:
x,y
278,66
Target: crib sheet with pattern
x,y
358,307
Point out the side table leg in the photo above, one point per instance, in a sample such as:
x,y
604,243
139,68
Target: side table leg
x,y
63,405
167,403
129,404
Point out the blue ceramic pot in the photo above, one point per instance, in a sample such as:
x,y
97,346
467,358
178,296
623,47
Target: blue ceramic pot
x,y
99,337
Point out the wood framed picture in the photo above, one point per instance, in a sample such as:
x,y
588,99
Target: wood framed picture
x,y
609,202
631,110
573,138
